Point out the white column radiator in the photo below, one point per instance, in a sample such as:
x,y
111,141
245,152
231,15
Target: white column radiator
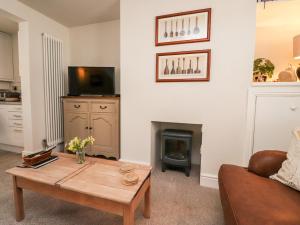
x,y
53,88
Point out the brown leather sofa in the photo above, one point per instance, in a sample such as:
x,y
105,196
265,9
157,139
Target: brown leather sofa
x,y
249,197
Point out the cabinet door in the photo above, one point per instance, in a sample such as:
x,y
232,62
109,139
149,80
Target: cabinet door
x,y
6,57
103,130
16,136
4,131
76,125
15,48
275,119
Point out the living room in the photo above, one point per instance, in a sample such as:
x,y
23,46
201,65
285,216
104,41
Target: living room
x,y
182,110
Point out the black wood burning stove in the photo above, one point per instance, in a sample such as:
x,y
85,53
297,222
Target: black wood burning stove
x,y
176,149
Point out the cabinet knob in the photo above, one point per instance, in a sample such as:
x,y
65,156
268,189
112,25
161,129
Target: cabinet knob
x,y
76,106
293,108
86,127
91,128
103,107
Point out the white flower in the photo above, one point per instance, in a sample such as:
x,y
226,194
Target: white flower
x,y
76,144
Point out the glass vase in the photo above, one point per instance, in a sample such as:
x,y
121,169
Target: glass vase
x,y
80,156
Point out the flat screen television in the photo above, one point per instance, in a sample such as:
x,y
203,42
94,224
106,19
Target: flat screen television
x,y
91,80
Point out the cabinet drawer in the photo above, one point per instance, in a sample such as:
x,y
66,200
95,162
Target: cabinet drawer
x,y
15,115
15,109
16,136
76,106
15,123
103,107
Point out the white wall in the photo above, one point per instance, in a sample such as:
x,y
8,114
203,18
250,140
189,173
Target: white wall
x,y
97,45
33,93
220,105
275,32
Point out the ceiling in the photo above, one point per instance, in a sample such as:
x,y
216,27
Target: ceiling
x,y
73,13
7,25
278,13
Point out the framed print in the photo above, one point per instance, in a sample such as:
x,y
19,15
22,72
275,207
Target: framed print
x,y
187,66
181,28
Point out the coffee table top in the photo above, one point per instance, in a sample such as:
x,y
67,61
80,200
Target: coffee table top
x,y
97,177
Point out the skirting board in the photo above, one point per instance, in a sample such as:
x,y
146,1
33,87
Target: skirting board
x,y
206,180
135,162
209,180
11,148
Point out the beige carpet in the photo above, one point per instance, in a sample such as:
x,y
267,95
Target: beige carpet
x,y
176,200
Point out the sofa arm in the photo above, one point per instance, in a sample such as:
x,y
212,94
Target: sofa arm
x,y
266,163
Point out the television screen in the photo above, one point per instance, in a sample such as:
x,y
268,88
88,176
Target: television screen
x,y
91,81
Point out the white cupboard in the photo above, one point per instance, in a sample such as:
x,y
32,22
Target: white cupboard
x,y
273,113
6,57
11,123
276,116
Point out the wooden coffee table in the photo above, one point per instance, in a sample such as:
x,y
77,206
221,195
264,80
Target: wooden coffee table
x,y
96,184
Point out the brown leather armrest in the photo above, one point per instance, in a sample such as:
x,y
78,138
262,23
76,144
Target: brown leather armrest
x,y
266,163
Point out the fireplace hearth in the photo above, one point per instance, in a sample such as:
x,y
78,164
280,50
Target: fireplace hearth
x,y
176,149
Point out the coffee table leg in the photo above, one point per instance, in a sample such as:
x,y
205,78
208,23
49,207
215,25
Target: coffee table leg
x,y
147,208
18,197
128,215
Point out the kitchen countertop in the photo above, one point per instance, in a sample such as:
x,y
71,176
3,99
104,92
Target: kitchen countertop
x,y
10,103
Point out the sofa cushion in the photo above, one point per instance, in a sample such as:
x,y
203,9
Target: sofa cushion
x,y
289,173
249,199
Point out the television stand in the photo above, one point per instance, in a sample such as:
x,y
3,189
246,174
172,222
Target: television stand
x,y
97,116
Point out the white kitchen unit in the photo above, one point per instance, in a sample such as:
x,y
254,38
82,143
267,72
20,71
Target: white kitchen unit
x,y
11,123
273,113
15,47
6,57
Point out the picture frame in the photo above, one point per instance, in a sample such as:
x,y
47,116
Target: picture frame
x,y
185,27
183,66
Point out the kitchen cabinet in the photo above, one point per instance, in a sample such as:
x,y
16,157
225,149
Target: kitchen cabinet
x,y
6,58
15,47
4,125
11,123
97,117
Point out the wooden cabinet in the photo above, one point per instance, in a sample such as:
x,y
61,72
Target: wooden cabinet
x,y
76,125
6,57
97,117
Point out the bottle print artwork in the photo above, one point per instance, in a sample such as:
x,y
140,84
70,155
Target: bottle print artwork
x,y
166,70
173,67
178,70
197,69
190,69
183,66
